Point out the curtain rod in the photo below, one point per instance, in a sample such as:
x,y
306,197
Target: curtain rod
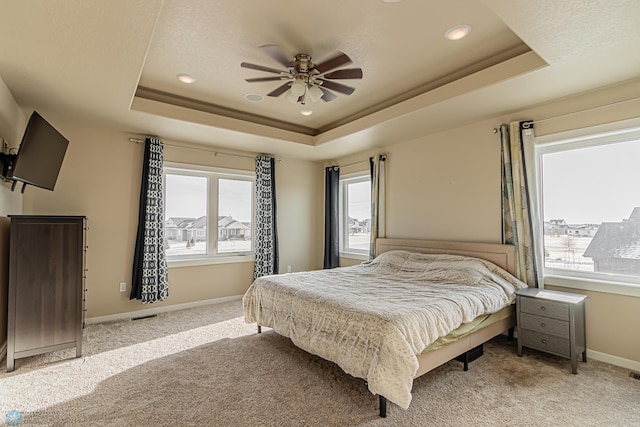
x,y
215,152
383,157
496,130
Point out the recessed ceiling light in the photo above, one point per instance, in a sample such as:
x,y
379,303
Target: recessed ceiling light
x,y
306,112
186,78
254,97
458,32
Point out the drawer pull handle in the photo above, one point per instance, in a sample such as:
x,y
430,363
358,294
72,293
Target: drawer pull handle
x,y
544,341
543,308
542,324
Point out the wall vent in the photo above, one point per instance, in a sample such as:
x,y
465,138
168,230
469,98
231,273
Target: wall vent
x,y
635,375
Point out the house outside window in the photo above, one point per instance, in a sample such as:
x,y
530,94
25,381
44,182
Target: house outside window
x,y
590,207
208,214
355,213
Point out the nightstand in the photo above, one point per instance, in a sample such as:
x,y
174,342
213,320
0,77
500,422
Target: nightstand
x,y
553,322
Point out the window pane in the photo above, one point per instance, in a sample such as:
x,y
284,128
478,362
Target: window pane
x,y
359,215
234,215
185,215
591,207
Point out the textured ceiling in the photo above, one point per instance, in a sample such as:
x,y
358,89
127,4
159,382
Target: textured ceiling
x,y
400,47
115,63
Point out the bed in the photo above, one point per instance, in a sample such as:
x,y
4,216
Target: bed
x,y
371,320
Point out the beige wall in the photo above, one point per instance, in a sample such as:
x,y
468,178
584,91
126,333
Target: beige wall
x,y
12,122
440,186
100,178
447,186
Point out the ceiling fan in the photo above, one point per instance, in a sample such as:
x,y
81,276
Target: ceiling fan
x,y
303,79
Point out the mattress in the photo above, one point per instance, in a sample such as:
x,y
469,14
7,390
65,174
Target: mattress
x,y
465,329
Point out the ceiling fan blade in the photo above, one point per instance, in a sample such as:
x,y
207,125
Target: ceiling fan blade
x,y
261,68
280,90
338,87
327,95
346,73
332,63
274,52
264,79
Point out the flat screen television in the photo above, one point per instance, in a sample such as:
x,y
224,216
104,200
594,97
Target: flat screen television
x,y
40,154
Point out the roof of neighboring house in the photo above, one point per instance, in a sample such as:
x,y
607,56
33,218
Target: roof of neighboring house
x,y
200,222
178,220
236,224
635,215
223,221
617,239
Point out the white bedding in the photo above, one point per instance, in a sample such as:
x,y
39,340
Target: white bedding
x,y
373,319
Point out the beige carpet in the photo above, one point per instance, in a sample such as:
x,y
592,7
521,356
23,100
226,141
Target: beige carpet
x,y
206,367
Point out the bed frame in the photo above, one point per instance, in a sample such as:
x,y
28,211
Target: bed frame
x,y
501,255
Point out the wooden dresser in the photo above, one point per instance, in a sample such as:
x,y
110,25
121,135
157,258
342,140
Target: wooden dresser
x,y
46,285
553,322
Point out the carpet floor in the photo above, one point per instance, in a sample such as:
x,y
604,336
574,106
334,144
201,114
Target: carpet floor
x,y
206,367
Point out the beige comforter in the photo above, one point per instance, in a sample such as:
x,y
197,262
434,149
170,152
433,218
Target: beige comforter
x,y
373,319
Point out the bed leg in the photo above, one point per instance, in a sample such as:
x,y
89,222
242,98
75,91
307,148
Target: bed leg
x,y
259,329
383,406
510,336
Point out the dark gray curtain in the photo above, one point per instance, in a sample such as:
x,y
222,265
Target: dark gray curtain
x,y
266,239
149,277
331,218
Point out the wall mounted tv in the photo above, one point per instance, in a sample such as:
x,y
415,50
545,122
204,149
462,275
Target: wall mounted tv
x,y
40,155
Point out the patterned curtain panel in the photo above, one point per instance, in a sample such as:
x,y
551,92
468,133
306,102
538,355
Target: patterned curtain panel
x,y
517,221
266,229
149,279
331,217
378,202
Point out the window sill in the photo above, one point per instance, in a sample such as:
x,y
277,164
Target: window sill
x,y
354,255
232,259
593,285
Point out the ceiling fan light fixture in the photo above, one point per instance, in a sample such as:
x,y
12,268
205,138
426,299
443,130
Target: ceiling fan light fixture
x,y
458,32
292,97
298,87
306,112
315,93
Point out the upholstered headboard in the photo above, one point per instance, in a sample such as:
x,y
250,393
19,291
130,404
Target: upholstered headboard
x,y
501,255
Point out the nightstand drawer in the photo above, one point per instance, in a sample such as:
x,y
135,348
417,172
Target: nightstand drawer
x,y
546,342
545,325
542,307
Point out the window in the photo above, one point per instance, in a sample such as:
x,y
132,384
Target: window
x,y
208,213
590,204
355,213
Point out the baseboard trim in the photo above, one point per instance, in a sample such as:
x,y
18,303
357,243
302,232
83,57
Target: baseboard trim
x,y
158,310
613,360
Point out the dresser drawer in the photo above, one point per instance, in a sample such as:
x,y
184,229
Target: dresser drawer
x,y
546,325
546,342
542,307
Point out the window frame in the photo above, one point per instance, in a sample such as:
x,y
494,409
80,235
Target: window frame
x,y
574,140
213,175
347,179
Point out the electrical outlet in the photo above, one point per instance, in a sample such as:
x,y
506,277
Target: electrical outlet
x,y
288,269
123,286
